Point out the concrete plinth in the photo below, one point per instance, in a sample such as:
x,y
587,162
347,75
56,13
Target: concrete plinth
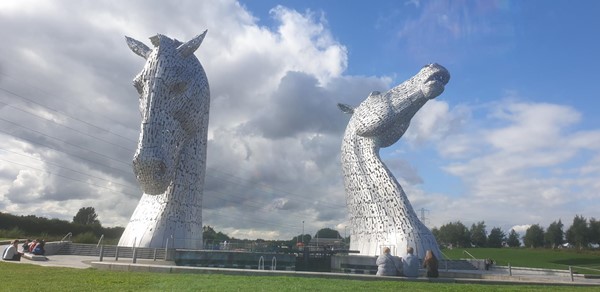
x,y
354,264
235,259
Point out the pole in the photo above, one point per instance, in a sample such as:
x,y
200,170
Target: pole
x,y
571,272
346,239
302,231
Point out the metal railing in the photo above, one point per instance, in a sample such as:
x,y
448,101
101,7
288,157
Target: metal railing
x,y
69,235
100,241
464,251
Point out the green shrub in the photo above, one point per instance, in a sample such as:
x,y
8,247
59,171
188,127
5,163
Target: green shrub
x,y
87,237
14,233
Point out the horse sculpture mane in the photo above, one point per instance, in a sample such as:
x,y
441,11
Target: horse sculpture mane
x,y
170,160
380,213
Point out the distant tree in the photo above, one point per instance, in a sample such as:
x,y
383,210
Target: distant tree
x,y
304,238
436,233
578,233
534,236
496,238
594,231
327,233
454,233
554,234
210,235
86,216
478,234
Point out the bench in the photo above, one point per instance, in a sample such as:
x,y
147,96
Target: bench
x,y
33,257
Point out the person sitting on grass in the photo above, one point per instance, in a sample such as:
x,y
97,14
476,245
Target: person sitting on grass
x,y
32,245
39,248
386,264
410,264
11,253
431,264
26,245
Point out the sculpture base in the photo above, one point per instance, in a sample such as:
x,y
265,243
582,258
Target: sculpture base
x,y
235,259
354,264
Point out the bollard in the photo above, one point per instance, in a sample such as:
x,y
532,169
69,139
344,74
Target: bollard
x,y
101,252
509,270
571,272
117,254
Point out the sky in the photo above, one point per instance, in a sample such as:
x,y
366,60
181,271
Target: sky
x,y
514,140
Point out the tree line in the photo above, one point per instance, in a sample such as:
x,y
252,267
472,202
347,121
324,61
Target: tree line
x,y
580,234
85,221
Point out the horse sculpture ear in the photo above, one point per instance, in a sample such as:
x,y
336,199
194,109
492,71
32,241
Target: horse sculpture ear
x,y
345,108
191,46
138,47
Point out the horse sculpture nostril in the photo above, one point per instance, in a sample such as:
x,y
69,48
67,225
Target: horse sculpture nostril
x,y
149,168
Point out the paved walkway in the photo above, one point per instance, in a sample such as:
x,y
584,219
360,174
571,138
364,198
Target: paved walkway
x,y
144,265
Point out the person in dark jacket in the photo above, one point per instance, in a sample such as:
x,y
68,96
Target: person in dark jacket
x,y
431,264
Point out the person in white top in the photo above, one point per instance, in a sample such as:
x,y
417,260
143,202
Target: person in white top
x,y
11,253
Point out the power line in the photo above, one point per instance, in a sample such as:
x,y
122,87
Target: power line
x,y
66,177
68,143
62,167
65,126
63,113
68,154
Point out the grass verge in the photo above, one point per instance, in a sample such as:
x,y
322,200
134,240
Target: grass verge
x,y
559,259
68,279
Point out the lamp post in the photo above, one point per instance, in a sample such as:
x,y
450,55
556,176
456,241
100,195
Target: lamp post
x,y
302,231
345,234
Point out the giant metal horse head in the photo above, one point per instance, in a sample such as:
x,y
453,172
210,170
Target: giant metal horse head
x,y
387,116
170,160
174,102
380,213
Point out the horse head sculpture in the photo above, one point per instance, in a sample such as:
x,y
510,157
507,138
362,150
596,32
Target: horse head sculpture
x,y
380,213
170,160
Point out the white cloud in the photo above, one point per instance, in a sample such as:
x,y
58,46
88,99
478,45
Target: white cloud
x,y
274,125
275,131
525,162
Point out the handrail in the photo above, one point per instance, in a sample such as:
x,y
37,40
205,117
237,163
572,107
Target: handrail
x,y
69,235
464,251
584,268
274,264
100,241
445,256
261,260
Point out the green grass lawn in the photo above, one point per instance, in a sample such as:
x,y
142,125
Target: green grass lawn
x,y
559,259
28,277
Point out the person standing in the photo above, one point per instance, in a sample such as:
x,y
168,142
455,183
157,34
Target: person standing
x,y
410,264
12,253
431,264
